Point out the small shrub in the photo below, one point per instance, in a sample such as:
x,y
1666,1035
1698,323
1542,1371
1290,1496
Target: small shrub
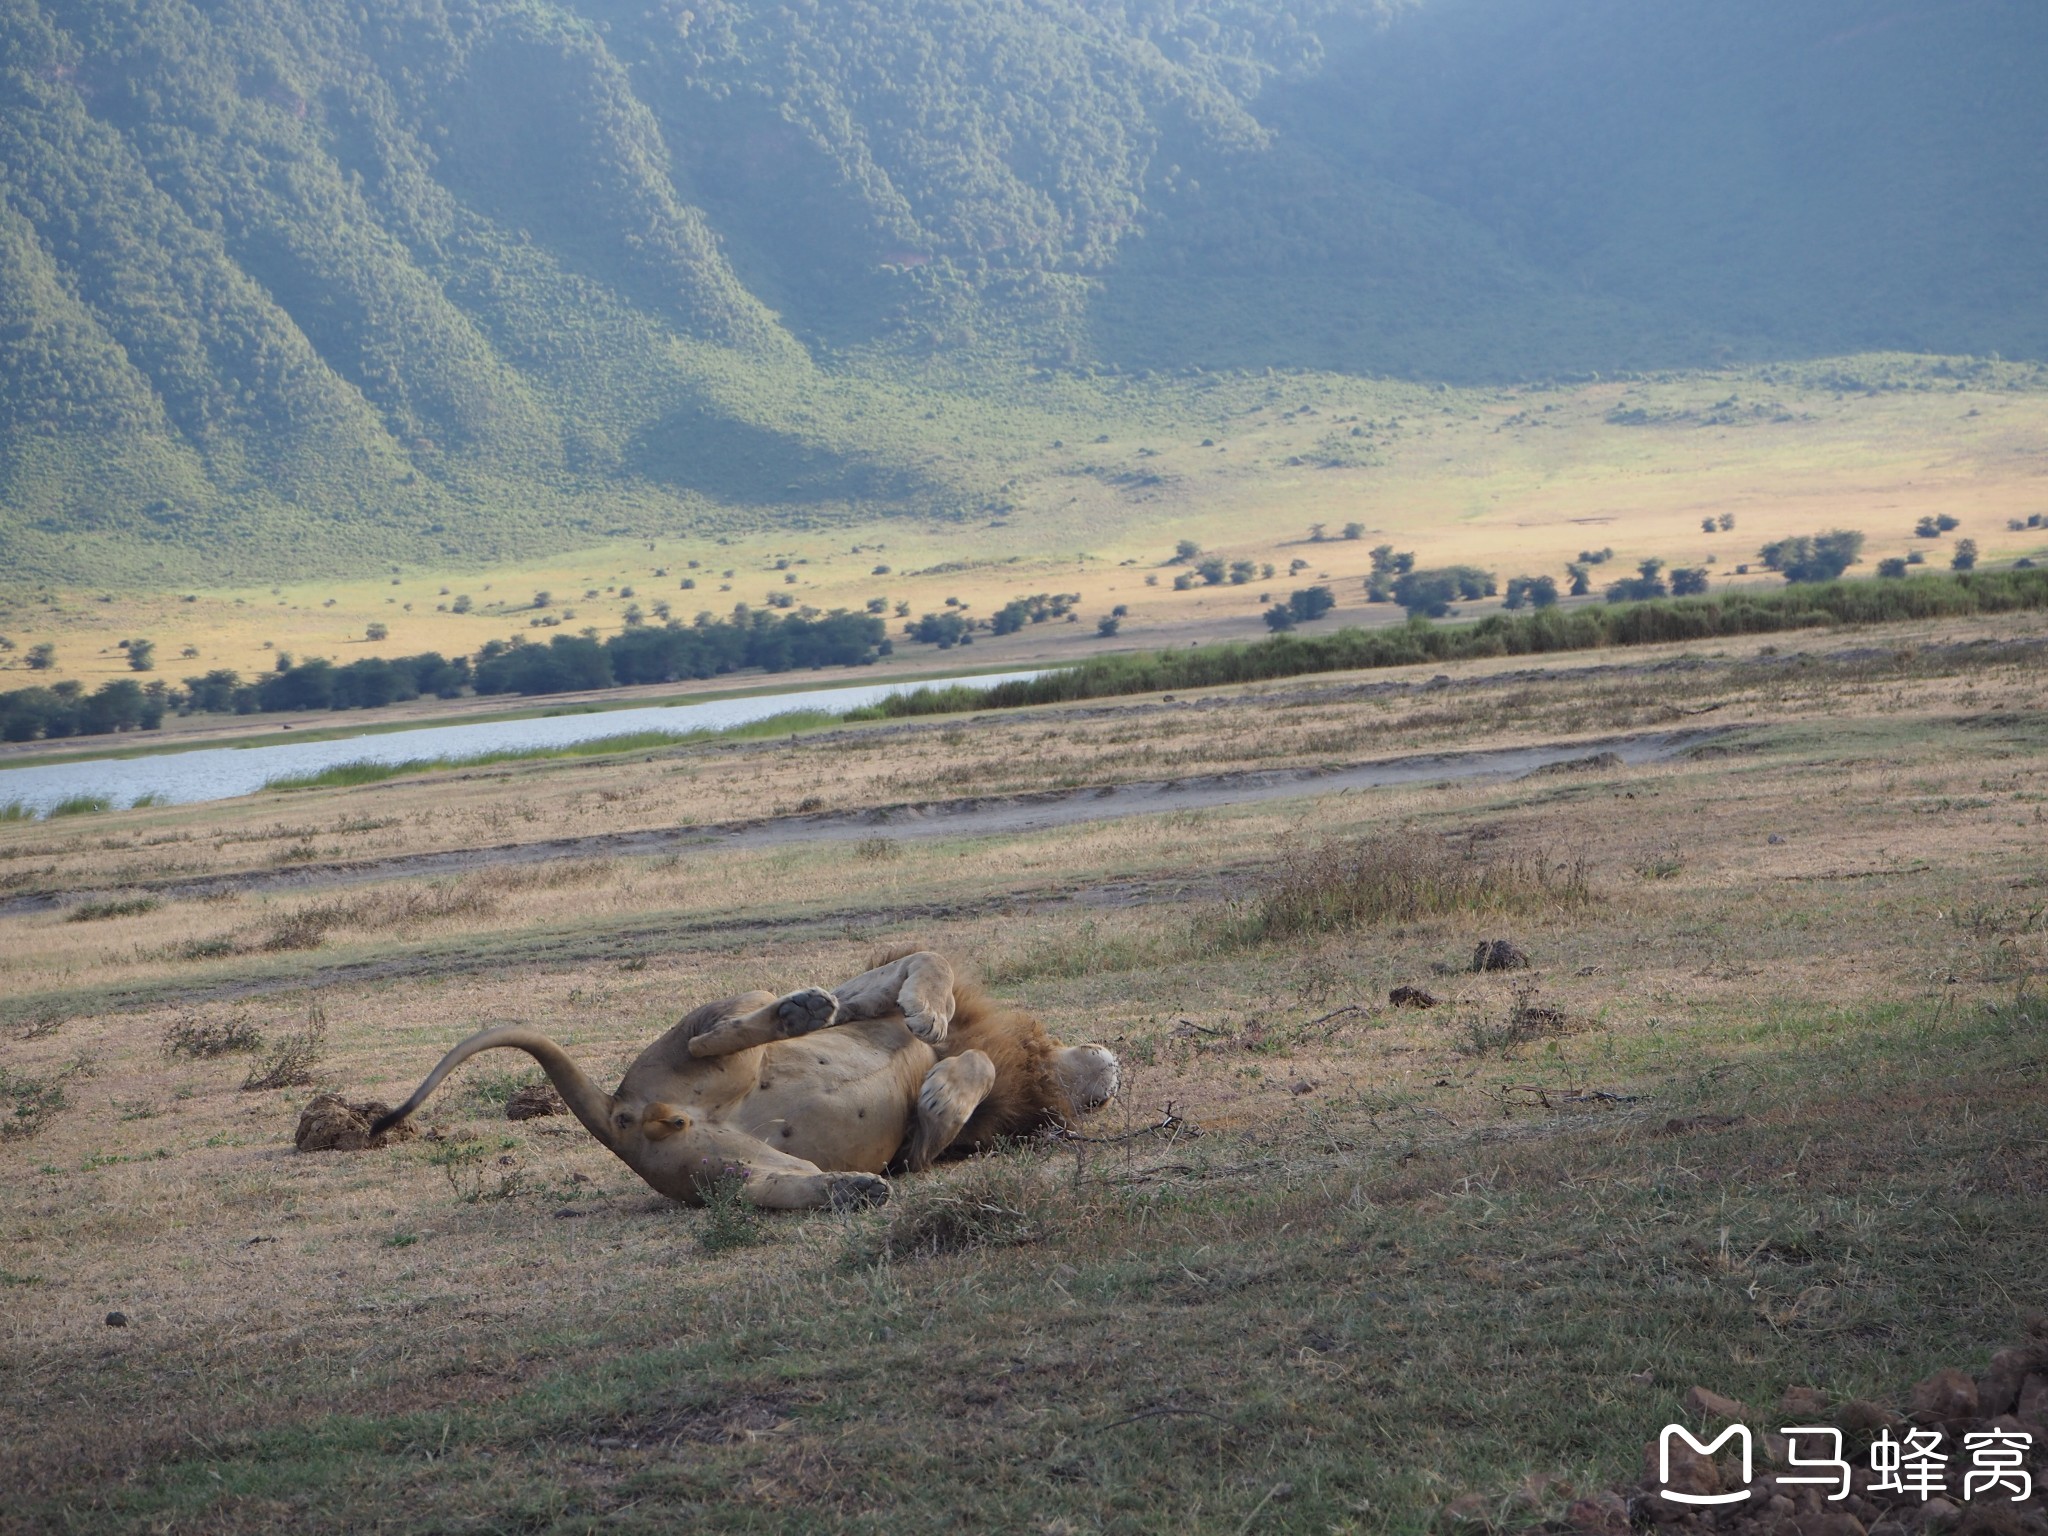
x,y
28,1104
294,1061
467,1167
730,1219
1526,1020
878,850
202,1040
81,805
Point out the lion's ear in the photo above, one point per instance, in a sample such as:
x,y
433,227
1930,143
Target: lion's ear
x,y
662,1120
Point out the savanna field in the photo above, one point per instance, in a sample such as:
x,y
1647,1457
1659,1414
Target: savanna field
x,y
1530,522
1764,1109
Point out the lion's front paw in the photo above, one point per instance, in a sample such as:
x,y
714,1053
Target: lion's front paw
x,y
856,1191
802,1012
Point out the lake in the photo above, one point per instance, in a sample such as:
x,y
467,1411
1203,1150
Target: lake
x,y
181,777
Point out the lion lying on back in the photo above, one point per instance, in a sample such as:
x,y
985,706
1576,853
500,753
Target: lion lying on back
x,y
808,1098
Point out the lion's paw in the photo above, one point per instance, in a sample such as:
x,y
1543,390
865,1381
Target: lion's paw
x,y
857,1191
928,1027
802,1012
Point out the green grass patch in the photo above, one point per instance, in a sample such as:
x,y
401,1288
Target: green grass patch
x,y
80,805
348,775
16,810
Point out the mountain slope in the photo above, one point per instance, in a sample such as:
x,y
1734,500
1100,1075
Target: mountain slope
x,y
303,285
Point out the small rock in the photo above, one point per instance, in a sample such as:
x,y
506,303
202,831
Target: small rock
x,y
534,1101
1774,840
1602,1515
1998,1389
1411,997
1499,955
1804,1402
2033,1403
1643,1378
1945,1397
1691,1471
1864,1419
117,1319
1300,1086
1701,1400
1835,1522
1933,1515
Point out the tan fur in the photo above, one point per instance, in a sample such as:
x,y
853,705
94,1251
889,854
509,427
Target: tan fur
x,y
808,1096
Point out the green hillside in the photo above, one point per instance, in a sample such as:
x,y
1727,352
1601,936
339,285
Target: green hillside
x,y
306,286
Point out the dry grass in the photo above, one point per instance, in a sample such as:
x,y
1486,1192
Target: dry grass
x,y
1397,1230
1341,884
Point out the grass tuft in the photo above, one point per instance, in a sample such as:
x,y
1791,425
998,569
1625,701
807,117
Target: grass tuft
x,y
990,1204
81,805
1343,884
97,911
201,1040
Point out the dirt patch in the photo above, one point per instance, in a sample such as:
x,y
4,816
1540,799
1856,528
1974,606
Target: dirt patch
x,y
533,1101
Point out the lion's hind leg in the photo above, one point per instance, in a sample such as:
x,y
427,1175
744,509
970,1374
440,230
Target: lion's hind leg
x,y
951,1093
782,1018
919,986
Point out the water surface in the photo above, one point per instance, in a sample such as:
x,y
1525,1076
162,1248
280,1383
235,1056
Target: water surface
x,y
181,777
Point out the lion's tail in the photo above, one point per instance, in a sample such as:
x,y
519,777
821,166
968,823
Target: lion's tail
x,y
589,1104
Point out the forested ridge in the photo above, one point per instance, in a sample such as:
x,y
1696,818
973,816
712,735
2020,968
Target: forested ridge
x,y
305,285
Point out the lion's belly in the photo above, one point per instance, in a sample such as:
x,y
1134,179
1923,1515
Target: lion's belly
x,y
842,1098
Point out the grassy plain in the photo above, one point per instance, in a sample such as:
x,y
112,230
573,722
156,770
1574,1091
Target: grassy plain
x,y
1784,1126
1089,489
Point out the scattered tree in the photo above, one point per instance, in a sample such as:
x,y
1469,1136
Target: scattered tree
x,y
1964,558
1813,557
1354,530
1107,625
1582,578
1647,583
1185,551
142,655
1894,567
1688,581
40,658
1533,591
1429,593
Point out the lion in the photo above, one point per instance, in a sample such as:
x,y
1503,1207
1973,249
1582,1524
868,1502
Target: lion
x,y
809,1098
